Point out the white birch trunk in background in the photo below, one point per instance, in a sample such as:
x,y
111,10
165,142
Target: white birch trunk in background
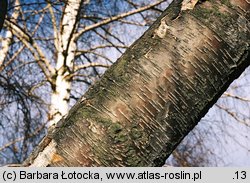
x,y
6,41
66,48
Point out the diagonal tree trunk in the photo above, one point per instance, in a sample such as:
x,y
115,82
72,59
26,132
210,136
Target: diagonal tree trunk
x,y
155,94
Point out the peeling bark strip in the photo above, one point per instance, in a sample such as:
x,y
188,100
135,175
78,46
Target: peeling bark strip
x,y
151,98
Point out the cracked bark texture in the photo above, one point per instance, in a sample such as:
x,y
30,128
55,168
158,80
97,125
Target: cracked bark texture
x,y
156,92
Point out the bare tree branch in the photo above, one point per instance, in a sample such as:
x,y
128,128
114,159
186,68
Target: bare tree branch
x,y
114,18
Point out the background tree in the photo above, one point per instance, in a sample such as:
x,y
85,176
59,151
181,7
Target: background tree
x,y
59,60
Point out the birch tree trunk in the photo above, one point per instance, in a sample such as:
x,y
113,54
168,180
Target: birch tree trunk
x,y
66,48
6,42
155,94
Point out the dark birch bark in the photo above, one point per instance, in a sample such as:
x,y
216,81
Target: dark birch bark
x,y
155,94
3,11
